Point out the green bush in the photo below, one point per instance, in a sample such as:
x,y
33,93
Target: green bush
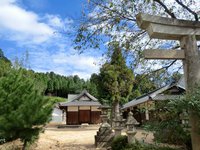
x,y
140,146
168,128
119,143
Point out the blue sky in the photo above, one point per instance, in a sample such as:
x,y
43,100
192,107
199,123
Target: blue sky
x,y
34,25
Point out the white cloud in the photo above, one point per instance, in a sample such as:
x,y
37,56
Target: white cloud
x,y
20,25
47,51
64,63
54,21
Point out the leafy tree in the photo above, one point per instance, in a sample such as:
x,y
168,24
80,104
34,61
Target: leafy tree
x,y
142,85
23,110
117,79
91,88
105,21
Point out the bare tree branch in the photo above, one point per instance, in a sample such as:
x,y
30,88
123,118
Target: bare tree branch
x,y
166,9
157,70
165,67
188,9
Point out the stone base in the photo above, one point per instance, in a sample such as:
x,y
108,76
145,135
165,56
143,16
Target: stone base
x,y
118,131
104,137
131,136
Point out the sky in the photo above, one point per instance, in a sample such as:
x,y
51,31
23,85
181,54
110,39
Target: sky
x,y
34,27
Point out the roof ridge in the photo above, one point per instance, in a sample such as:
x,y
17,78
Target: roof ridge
x,y
82,93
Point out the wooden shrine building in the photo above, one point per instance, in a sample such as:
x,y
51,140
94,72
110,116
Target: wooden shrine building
x,y
148,102
81,108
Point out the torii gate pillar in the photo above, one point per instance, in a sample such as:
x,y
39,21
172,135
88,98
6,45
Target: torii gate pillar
x,y
187,32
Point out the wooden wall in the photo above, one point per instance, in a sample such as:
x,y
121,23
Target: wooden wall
x,y
83,114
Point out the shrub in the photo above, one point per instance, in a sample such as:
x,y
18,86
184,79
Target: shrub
x,y
168,127
140,146
119,143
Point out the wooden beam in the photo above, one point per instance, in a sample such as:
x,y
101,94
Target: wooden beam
x,y
163,54
167,28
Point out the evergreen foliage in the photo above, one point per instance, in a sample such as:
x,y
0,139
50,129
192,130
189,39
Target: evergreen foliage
x,y
23,110
167,127
142,84
116,78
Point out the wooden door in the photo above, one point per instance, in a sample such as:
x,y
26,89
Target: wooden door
x,y
72,118
84,116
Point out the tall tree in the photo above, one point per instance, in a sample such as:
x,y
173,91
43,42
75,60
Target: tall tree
x,y
117,79
23,110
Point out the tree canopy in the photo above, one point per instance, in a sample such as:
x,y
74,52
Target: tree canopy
x,y
114,20
115,79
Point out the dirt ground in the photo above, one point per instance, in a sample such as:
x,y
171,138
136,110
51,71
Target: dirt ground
x,y
67,139
74,138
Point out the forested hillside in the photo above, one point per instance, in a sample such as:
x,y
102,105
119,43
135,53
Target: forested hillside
x,y
52,84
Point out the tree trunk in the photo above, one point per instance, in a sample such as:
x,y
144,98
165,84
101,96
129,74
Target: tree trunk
x,y
114,111
24,145
192,77
116,108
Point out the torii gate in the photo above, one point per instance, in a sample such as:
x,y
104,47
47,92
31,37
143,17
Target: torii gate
x,y
187,32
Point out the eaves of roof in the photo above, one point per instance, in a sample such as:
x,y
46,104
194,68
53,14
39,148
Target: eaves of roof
x,y
80,103
145,97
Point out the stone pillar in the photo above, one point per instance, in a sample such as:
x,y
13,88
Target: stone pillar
x,y
192,77
118,124
146,113
131,131
104,134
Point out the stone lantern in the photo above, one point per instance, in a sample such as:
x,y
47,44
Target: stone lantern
x,y
104,116
131,131
118,124
104,134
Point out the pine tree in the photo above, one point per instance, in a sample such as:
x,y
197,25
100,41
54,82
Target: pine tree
x,y
23,110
